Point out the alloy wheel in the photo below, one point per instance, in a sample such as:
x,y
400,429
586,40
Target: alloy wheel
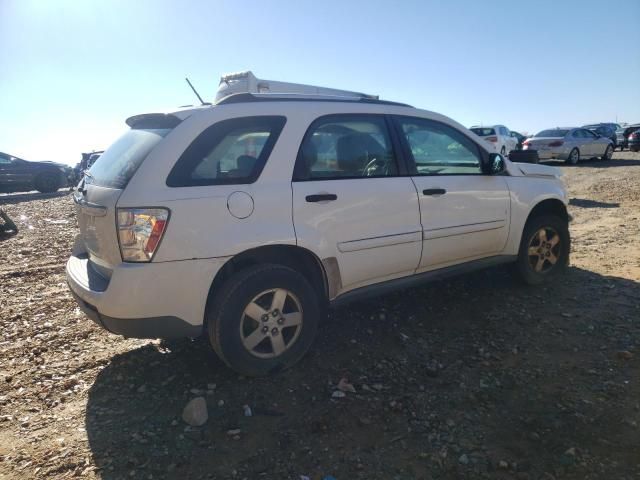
x,y
271,323
544,250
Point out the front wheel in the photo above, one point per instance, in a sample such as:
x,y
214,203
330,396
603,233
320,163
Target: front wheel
x,y
544,249
608,153
574,157
263,320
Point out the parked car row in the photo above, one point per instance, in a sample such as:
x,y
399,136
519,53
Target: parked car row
x,y
570,144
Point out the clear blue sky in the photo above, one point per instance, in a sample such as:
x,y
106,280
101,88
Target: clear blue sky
x,y
72,71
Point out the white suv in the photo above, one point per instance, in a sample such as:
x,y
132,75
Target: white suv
x,y
499,136
245,220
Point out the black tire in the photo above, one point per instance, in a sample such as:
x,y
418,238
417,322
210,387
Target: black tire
x,y
225,318
574,157
503,151
47,183
524,264
608,153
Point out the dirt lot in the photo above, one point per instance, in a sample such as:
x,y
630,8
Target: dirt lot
x,y
477,377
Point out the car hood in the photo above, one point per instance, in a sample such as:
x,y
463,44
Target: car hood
x,y
534,170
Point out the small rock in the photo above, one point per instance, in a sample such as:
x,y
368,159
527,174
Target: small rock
x,y
142,389
338,394
196,391
345,386
220,403
247,411
233,432
571,452
504,465
195,412
463,459
211,386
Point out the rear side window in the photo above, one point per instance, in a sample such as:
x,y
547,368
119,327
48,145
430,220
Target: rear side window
x,y
229,152
483,132
115,167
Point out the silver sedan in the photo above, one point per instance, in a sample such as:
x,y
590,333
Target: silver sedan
x,y
569,144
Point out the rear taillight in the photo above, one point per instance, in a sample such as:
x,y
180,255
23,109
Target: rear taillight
x,y
491,139
557,143
140,231
526,142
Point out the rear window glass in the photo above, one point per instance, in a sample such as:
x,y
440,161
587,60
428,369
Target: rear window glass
x,y
115,167
229,152
483,132
552,133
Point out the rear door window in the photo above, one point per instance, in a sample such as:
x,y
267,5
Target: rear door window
x,y
119,162
346,146
229,152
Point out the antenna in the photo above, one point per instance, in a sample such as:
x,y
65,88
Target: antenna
x,y
196,92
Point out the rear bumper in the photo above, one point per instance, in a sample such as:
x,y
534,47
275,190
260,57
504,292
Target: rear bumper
x,y
549,154
153,300
152,327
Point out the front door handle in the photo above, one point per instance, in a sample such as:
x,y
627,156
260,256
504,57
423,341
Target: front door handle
x,y
434,191
321,197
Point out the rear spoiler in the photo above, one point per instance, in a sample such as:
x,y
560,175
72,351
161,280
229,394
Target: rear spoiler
x,y
153,120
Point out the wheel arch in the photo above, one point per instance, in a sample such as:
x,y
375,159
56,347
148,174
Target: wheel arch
x,y
297,258
552,206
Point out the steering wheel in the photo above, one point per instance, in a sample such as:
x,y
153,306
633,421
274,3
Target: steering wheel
x,y
376,168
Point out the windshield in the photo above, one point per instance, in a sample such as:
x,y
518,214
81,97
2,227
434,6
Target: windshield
x,y
556,133
483,132
115,167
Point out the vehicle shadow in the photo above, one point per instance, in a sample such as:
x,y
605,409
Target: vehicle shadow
x,y
586,203
134,406
13,198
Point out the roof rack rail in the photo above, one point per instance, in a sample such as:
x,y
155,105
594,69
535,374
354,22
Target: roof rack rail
x,y
247,82
274,97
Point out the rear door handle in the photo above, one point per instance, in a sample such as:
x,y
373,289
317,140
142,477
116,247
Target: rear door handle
x,y
321,197
434,191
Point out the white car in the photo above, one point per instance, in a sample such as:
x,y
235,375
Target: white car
x,y
499,136
245,220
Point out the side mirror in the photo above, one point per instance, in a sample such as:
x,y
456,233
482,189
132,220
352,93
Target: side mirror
x,y
496,164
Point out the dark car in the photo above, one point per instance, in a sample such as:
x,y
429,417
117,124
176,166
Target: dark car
x,y
519,138
626,133
633,140
607,130
18,175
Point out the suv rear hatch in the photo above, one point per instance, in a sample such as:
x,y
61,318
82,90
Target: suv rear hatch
x,y
99,190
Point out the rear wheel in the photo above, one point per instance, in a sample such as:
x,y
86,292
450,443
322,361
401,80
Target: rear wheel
x,y
263,320
47,183
608,153
502,151
544,249
574,157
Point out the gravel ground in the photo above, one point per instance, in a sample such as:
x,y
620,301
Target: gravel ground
x,y
476,377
